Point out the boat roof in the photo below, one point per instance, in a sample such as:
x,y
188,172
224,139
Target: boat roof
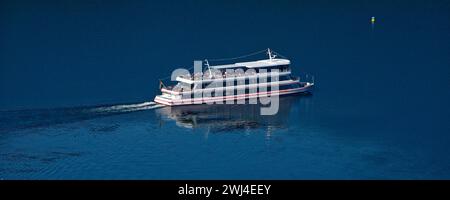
x,y
255,64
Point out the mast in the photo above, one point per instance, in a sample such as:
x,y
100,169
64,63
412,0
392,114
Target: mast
x,y
270,54
209,69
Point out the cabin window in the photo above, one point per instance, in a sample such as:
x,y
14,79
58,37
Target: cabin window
x,y
284,78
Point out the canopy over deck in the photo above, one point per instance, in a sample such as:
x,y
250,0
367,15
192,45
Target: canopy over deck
x,y
254,64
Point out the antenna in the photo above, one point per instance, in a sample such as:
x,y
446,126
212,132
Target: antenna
x,y
270,54
209,69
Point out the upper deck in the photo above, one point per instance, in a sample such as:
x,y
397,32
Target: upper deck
x,y
220,71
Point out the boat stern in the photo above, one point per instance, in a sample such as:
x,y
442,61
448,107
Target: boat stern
x,y
162,99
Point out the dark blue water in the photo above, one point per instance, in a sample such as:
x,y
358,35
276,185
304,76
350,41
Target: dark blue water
x,y
70,72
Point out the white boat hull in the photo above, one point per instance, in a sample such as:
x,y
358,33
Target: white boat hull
x,y
205,100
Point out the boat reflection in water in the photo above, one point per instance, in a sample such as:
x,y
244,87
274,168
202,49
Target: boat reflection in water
x,y
224,118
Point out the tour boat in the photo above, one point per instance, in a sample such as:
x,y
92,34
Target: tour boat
x,y
232,82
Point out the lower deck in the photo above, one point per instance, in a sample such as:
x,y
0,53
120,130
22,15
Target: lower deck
x,y
303,87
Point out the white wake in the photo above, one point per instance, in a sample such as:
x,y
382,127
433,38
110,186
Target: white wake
x,y
128,107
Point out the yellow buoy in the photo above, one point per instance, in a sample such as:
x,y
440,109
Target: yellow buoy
x,y
372,20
